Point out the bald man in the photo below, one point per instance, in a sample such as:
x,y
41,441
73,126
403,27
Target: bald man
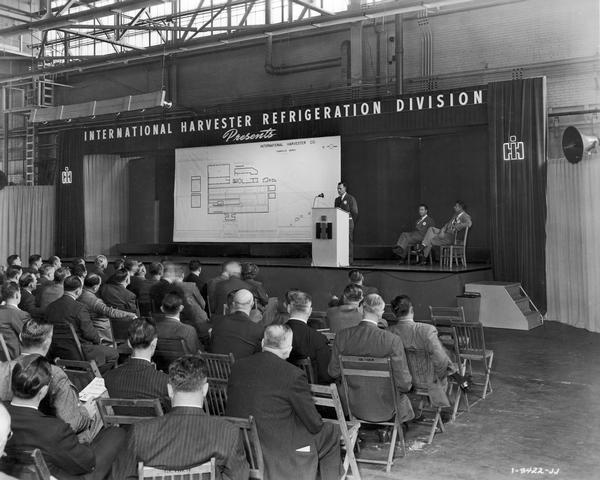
x,y
236,333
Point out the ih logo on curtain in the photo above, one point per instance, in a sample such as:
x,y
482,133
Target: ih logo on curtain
x,y
513,150
66,176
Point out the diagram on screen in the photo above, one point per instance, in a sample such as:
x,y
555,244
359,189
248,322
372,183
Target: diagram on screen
x,y
240,191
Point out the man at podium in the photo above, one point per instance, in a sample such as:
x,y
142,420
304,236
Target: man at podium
x,y
347,202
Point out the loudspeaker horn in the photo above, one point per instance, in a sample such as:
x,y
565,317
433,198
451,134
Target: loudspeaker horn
x,y
575,144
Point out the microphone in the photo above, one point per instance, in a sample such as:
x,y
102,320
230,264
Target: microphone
x,y
320,195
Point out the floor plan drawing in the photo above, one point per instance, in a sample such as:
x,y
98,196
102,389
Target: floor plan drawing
x,y
242,192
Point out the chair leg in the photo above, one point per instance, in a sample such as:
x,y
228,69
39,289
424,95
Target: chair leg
x,y
488,370
390,458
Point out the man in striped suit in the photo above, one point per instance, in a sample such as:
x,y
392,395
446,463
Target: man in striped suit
x,y
186,436
138,377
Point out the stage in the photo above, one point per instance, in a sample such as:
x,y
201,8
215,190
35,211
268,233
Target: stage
x,y
426,285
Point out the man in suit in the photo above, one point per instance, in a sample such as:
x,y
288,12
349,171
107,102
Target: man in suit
x,y
186,436
62,400
307,342
52,291
68,309
231,283
13,274
100,313
236,333
447,234
28,284
249,273
423,336
168,325
32,429
12,318
293,436
406,239
211,286
35,262
348,203
138,377
115,293
366,339
349,311
99,268
194,276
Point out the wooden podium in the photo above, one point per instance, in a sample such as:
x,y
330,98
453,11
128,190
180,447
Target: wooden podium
x,y
330,246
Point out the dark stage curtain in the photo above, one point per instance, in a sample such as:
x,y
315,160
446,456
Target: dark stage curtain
x,y
70,226
517,113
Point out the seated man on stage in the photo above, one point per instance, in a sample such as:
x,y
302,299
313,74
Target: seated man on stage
x,y
447,234
406,239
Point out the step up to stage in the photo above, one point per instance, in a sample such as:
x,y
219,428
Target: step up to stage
x,y
505,305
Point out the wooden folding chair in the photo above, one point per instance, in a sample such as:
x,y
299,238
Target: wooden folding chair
x,y
422,371
252,446
79,372
328,396
116,412
167,350
306,365
216,398
65,342
120,332
219,365
369,368
455,252
193,473
4,353
25,464
471,340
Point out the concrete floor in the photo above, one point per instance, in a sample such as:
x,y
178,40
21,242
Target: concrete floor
x,y
544,413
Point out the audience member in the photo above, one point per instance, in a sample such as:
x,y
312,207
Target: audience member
x,y
138,377
307,343
100,313
5,433
367,340
12,318
35,262
62,452
349,311
28,284
53,291
118,264
357,278
62,400
99,268
13,274
13,260
55,262
78,261
186,436
168,325
79,271
249,273
195,268
137,280
423,336
68,309
131,266
293,436
211,288
46,272
115,293
233,282
236,333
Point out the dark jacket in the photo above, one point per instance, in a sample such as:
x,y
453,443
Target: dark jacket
x,y
277,394
11,324
237,334
184,437
307,342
